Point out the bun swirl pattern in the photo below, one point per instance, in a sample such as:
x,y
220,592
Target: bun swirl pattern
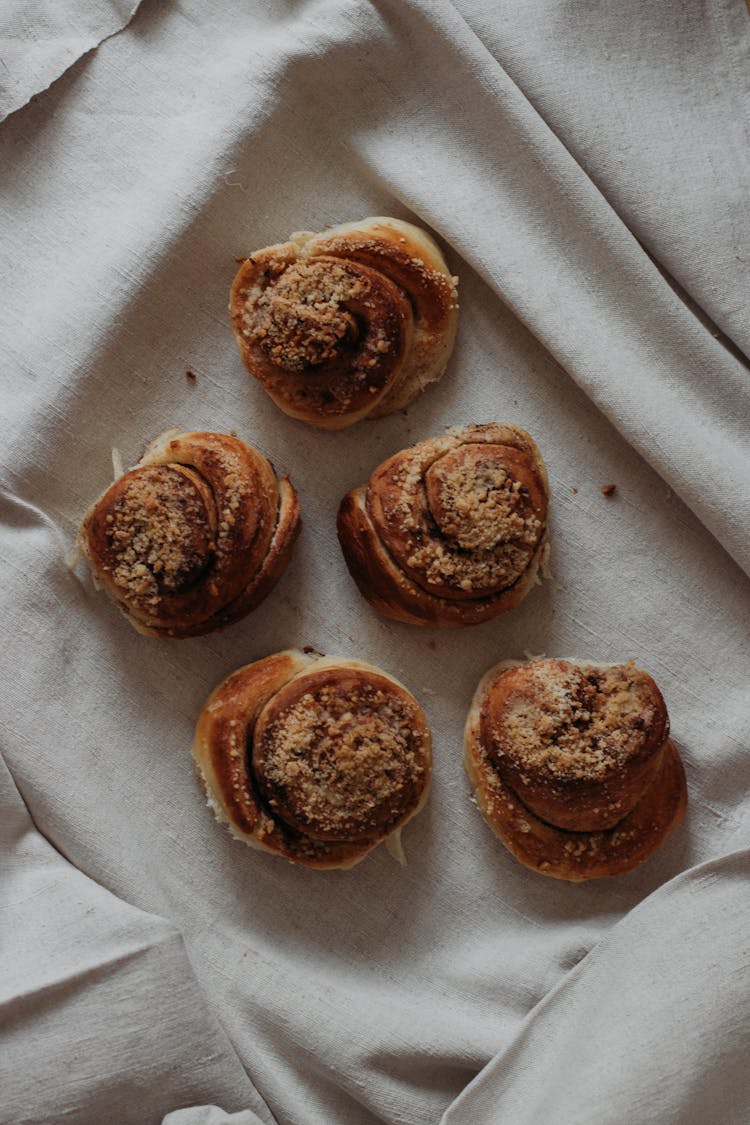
x,y
451,531
193,537
572,765
315,759
347,324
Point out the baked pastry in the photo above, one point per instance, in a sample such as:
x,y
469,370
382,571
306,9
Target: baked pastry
x,y
347,324
451,531
193,537
572,765
315,759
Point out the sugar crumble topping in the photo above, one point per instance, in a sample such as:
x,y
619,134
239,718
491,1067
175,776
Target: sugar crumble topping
x,y
575,723
479,530
478,504
301,320
234,485
342,760
160,534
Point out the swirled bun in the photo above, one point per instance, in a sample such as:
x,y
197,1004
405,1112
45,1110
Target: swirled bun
x,y
572,765
194,536
312,758
348,324
451,531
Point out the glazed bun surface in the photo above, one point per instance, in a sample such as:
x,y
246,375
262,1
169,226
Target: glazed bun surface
x,y
194,536
451,531
572,765
316,759
347,324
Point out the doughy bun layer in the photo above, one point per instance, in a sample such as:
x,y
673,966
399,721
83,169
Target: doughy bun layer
x,y
316,759
193,537
451,531
351,323
572,767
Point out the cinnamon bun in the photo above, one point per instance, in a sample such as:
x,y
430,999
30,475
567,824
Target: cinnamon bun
x,y
347,324
572,765
194,536
315,759
451,531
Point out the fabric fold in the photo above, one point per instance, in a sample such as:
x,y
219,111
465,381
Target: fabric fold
x,y
40,42
549,244
675,167
210,1115
105,994
652,1025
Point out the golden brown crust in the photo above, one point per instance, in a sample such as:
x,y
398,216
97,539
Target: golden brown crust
x,y
451,531
572,767
194,536
350,323
315,759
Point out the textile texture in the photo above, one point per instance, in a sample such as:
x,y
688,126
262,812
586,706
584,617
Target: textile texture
x,y
585,168
38,42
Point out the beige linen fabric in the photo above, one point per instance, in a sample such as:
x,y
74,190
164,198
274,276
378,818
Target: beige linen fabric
x,y
128,189
87,980
41,39
668,983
